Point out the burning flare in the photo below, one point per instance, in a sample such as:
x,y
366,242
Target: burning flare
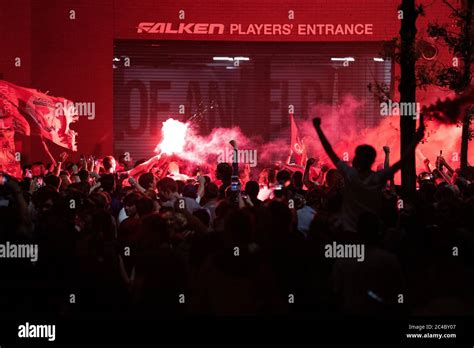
x,y
173,137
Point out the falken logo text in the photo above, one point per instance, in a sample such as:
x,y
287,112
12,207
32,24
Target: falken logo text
x,y
181,28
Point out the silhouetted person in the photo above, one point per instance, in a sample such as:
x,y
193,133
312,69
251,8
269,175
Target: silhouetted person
x,y
362,186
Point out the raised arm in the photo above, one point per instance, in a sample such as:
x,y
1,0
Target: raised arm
x,y
447,166
438,174
420,133
146,166
306,177
235,163
202,183
288,159
386,163
324,141
134,183
62,158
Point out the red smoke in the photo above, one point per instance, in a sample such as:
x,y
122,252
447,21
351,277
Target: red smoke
x,y
181,139
439,135
342,127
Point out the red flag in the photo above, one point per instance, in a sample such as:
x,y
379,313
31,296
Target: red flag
x,y
9,163
296,144
49,116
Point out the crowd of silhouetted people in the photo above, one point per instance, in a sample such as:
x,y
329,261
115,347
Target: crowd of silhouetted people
x,y
113,245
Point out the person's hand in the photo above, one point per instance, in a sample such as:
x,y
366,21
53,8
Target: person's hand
x,y
310,162
426,161
386,149
248,200
132,181
90,163
317,122
201,180
63,156
82,162
75,169
324,168
233,143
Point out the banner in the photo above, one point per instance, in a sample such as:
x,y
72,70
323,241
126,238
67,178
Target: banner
x,y
30,112
297,146
41,114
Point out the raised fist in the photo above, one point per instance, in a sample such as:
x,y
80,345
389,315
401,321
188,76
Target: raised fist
x,y
63,156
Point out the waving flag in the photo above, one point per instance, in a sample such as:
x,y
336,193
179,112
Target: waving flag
x,y
8,162
297,146
37,113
